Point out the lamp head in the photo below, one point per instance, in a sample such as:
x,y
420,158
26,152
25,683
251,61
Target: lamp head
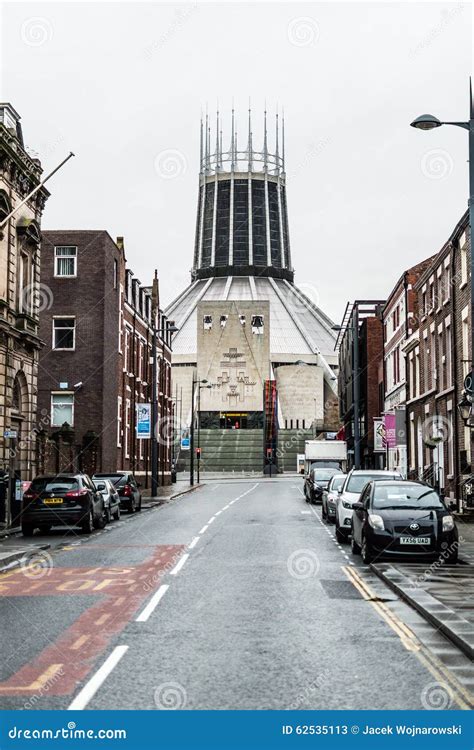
x,y
426,122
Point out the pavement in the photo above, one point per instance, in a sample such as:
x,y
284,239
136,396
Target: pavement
x,y
235,596
443,594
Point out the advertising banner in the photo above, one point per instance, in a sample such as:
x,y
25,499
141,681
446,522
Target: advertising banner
x,y
144,421
390,436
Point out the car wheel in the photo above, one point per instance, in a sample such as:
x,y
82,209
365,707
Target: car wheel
x,y
340,536
27,529
355,549
99,522
117,513
87,525
366,551
452,559
45,528
139,504
108,516
132,506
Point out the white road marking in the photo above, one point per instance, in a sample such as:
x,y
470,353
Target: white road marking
x,y
304,512
218,513
225,507
204,528
152,604
211,520
179,565
194,542
90,688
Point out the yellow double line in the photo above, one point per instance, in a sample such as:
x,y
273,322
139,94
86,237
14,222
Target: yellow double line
x,y
440,672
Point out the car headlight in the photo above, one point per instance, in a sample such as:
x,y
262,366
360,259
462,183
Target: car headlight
x,y
448,523
376,521
347,505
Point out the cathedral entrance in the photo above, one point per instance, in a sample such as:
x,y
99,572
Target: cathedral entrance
x,y
233,420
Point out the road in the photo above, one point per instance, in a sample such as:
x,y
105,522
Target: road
x,y
234,596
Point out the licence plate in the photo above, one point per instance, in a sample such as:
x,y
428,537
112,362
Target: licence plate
x,y
415,540
53,501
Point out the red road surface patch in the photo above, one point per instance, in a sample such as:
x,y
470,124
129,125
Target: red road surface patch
x,y
121,591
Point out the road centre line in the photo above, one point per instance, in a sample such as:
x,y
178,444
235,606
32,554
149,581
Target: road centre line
x,y
193,542
179,565
152,604
204,528
211,520
97,680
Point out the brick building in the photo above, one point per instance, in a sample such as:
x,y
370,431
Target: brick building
x,y
438,357
399,316
20,300
360,345
95,367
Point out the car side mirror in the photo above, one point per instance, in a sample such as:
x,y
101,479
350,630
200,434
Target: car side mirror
x,y
339,492
357,506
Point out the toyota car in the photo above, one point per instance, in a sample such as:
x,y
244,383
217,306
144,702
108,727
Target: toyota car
x,y
403,519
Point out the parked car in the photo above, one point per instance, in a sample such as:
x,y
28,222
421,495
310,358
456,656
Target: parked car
x,y
350,493
127,487
316,481
403,519
328,510
111,498
62,500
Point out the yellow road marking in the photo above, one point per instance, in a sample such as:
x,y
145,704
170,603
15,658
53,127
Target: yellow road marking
x,y
118,601
461,695
80,642
37,684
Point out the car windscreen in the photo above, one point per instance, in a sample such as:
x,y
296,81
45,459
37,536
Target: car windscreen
x,y
54,484
337,483
357,482
323,475
118,480
406,496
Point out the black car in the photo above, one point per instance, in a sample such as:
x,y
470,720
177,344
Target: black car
x,y
127,488
62,500
403,519
316,482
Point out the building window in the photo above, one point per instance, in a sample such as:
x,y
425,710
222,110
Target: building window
x,y
65,261
448,364
450,442
62,409
465,342
463,246
127,428
64,333
119,422
115,273
441,359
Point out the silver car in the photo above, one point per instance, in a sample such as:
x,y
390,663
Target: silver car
x,y
111,498
328,511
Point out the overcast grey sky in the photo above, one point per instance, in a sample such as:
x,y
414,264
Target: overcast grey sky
x,y
122,84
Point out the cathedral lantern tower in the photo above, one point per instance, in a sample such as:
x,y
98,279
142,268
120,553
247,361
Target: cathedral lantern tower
x,y
242,220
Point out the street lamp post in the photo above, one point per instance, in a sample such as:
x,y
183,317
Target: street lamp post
x,y
200,384
429,122
171,328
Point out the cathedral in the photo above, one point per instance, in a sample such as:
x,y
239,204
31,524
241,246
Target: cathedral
x,y
254,347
